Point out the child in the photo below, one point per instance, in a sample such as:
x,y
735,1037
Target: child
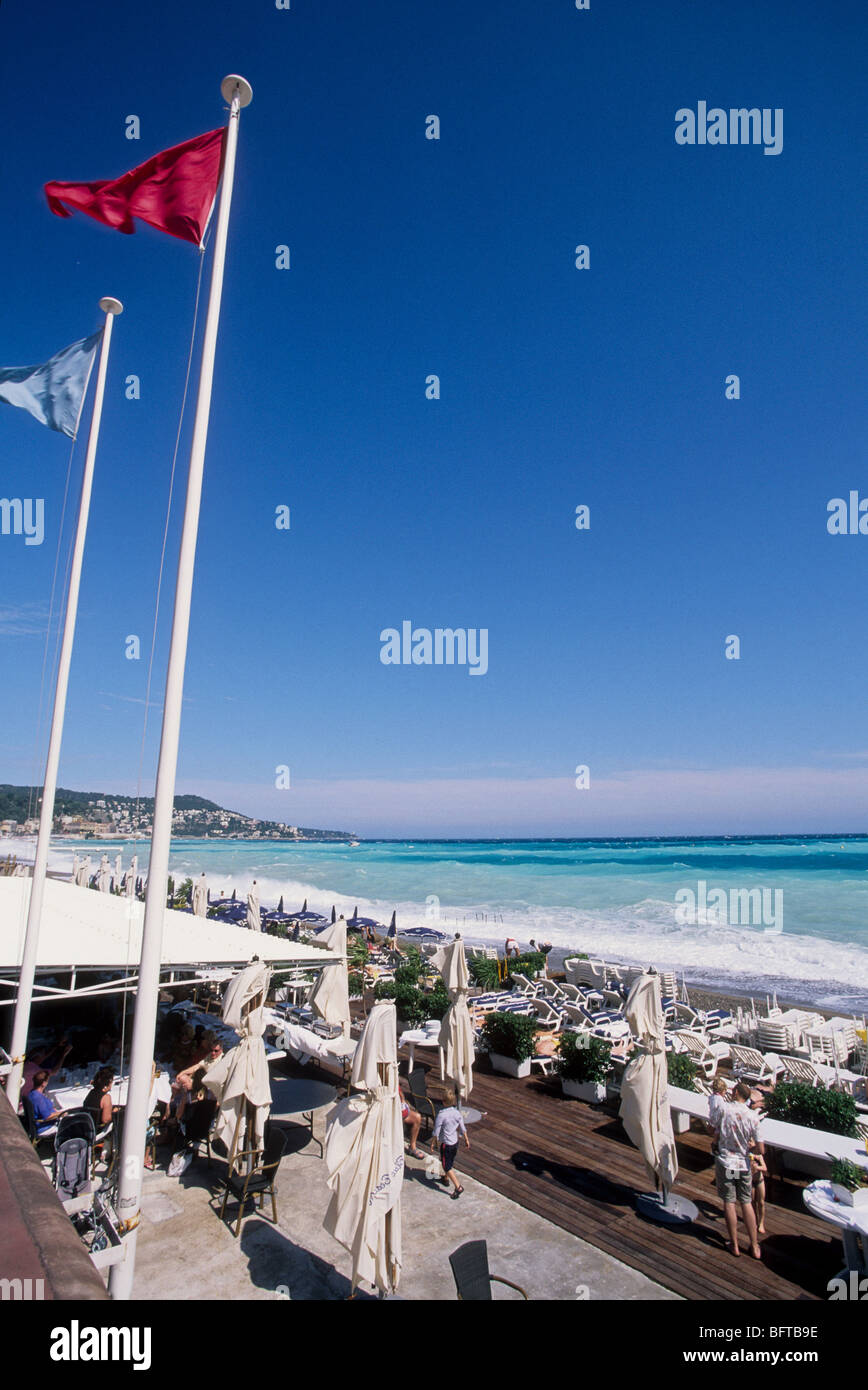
x,y
447,1128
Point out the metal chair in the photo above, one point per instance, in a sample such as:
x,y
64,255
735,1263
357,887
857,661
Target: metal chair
x,y
473,1279
417,1088
28,1119
198,1123
261,1177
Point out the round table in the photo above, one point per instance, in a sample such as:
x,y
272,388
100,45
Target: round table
x,y
820,1200
292,1096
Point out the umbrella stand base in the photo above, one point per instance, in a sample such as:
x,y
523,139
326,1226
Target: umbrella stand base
x,y
469,1115
669,1209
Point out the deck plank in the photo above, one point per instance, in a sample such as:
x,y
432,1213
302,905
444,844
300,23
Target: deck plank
x,y
573,1165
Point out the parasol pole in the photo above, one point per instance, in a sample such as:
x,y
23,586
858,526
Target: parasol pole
x,y
21,1021
238,93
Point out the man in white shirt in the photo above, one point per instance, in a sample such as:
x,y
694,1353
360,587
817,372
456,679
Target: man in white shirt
x,y
449,1124
737,1137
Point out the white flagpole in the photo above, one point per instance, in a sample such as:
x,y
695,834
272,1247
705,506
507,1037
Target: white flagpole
x,y
238,92
21,1023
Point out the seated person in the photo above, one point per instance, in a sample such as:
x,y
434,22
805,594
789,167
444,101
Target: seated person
x,y
412,1118
184,1082
39,1059
99,1098
44,1110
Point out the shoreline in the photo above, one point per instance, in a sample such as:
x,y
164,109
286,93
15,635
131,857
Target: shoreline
x,y
829,997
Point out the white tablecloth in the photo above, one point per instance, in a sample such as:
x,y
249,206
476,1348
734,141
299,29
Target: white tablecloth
x,y
820,1200
302,1044
73,1097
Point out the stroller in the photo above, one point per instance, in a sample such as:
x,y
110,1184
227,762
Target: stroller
x,y
73,1154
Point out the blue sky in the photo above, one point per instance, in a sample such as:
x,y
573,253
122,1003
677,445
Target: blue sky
x,y
558,387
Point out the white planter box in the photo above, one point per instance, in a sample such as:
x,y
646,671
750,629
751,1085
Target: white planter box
x,y
680,1121
508,1065
592,1091
859,1198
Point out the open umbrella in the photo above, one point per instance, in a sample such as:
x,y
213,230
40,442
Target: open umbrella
x,y
364,1155
239,1079
456,1030
200,896
253,919
644,1111
330,998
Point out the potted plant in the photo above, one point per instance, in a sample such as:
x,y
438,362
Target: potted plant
x,y
682,1072
511,1040
583,1065
850,1182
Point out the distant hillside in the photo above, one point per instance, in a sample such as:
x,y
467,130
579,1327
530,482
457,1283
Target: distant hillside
x,y
91,814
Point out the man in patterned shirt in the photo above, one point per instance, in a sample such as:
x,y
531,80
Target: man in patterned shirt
x,y
737,1138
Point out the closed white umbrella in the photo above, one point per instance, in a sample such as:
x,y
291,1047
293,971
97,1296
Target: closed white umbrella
x,y
130,879
239,1079
75,868
118,870
456,1030
200,896
330,999
254,921
84,872
104,877
644,1110
364,1155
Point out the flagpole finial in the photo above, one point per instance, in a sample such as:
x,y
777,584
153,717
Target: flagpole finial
x,y
233,85
111,306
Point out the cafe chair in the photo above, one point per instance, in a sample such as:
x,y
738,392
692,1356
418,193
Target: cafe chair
x,y
473,1279
261,1177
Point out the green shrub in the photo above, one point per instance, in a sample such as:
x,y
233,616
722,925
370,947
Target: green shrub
x,y
527,964
682,1071
407,975
436,1001
512,1035
797,1103
483,972
849,1174
583,1058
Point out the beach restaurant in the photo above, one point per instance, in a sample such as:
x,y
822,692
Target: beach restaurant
x,y
90,945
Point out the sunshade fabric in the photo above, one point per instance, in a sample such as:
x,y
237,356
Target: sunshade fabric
x,y
644,1108
456,1029
364,1155
330,998
240,1077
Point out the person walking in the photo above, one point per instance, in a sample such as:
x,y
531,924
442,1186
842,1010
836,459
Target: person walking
x,y
737,1139
447,1127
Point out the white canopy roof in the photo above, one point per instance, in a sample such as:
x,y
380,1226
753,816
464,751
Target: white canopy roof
x,y
82,928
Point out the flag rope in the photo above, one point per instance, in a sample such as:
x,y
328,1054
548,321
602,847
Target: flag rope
x,y
138,837
37,762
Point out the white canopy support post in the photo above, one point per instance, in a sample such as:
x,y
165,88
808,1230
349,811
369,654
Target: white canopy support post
x,y
238,93
21,1023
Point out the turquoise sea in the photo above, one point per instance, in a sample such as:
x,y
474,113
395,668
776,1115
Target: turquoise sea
x,y
615,898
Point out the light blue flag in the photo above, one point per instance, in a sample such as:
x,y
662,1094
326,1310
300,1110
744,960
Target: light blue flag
x,y
53,393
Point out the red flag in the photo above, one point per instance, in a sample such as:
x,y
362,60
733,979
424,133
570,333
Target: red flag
x,y
174,191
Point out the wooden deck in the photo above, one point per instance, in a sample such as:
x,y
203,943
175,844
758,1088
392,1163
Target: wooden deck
x,y
573,1164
